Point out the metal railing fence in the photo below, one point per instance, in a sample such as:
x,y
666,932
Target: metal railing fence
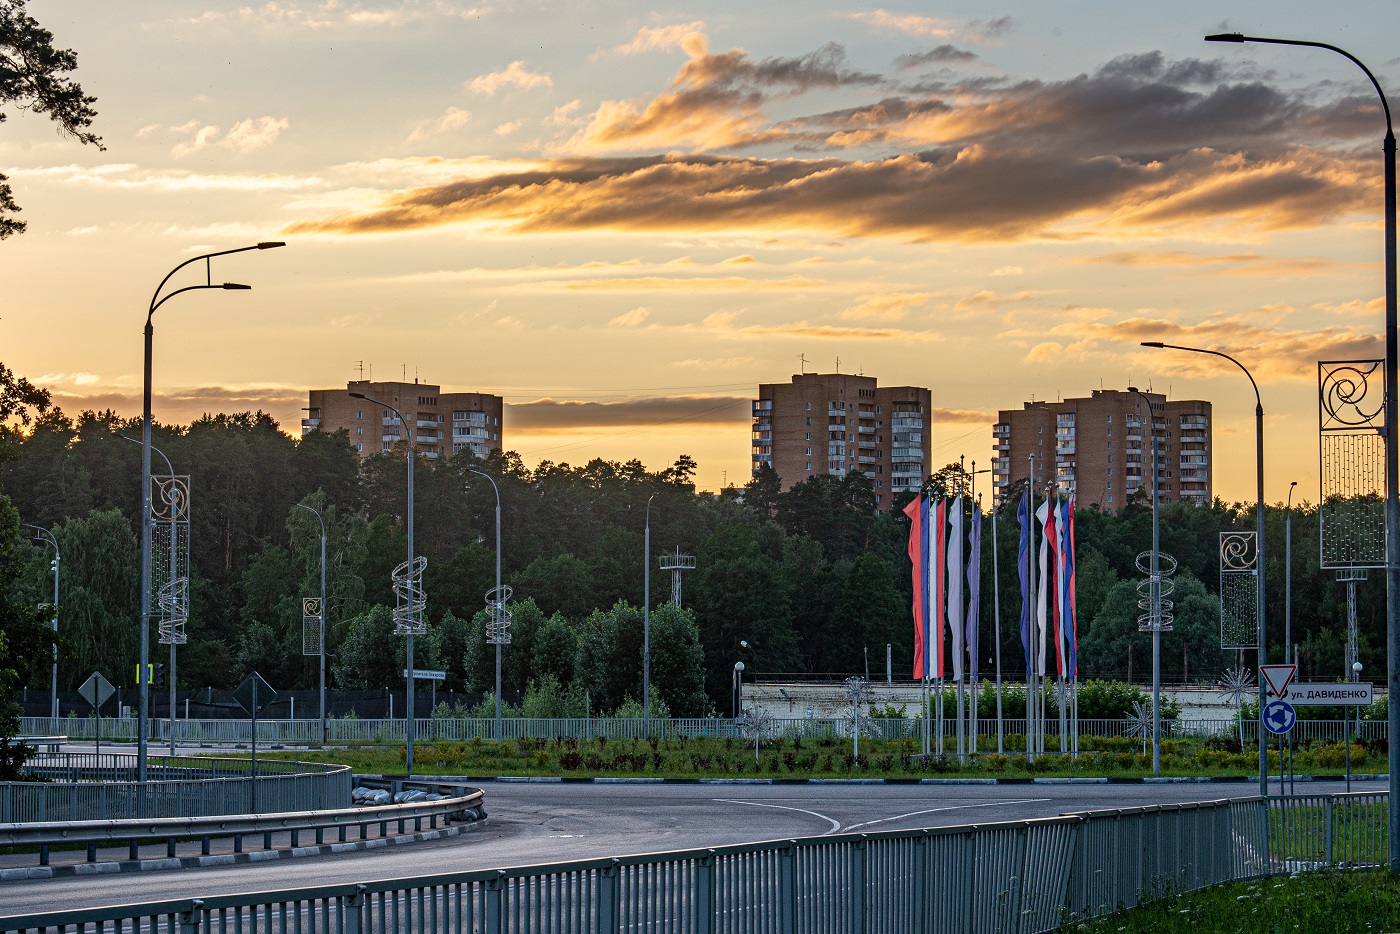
x,y
1020,876
308,732
84,787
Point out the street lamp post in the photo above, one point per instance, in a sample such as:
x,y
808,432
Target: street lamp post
x,y
144,657
321,648
1288,575
646,624
411,594
1259,543
495,609
1155,597
738,690
1392,447
47,536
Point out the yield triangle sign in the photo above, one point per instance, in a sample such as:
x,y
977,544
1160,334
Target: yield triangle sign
x,y
1277,677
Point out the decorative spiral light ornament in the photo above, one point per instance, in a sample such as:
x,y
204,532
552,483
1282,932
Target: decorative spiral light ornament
x,y
1237,551
1344,392
412,600
173,598
498,626
1166,567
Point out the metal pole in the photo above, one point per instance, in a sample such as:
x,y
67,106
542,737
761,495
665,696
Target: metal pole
x,y
497,597
411,590
1155,599
1032,701
1288,576
47,537
1259,544
646,624
996,624
322,647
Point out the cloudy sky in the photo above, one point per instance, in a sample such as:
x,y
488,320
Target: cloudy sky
x,y
623,217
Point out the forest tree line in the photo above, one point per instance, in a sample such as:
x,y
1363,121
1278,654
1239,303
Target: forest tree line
x,y
814,579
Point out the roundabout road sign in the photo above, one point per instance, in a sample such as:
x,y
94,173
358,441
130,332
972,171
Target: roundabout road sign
x,y
1279,717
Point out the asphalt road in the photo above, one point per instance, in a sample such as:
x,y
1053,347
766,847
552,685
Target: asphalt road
x,y
546,823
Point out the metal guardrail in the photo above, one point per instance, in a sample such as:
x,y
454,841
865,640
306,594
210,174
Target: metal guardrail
x,y
1018,876
88,787
170,830
308,732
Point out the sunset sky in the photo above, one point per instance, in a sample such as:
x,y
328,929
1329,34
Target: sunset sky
x,y
623,217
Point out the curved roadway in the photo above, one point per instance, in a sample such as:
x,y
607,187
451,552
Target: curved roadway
x,y
545,823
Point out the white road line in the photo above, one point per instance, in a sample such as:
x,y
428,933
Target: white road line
x,y
835,824
958,807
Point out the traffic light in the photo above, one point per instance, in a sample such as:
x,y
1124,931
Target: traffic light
x,y
159,679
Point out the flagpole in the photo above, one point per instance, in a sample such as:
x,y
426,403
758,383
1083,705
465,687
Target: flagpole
x,y
996,619
1032,702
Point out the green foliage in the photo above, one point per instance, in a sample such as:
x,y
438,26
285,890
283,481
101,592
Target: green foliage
x,y
34,76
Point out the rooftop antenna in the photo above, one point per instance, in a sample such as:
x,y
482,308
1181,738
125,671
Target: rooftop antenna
x,y
371,372
360,364
838,366
802,363
405,372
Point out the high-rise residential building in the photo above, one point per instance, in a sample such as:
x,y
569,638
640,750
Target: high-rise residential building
x,y
444,423
1097,448
837,424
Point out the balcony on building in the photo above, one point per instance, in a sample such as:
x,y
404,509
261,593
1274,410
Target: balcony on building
x,y
763,408
1001,430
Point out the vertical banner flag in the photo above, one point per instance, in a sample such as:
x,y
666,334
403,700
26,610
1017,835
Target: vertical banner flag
x,y
955,585
974,586
917,511
1070,617
1042,591
938,538
1023,565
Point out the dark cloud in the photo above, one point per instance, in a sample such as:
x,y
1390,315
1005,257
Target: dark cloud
x,y
556,415
992,28
943,55
1140,143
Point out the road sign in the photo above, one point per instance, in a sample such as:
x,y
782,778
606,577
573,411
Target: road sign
x,y
1277,677
96,690
427,674
254,694
1279,717
1323,694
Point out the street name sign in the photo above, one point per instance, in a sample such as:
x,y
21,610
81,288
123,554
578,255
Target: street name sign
x,y
1325,694
427,674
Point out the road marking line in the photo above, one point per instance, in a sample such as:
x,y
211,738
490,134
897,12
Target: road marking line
x,y
958,807
835,824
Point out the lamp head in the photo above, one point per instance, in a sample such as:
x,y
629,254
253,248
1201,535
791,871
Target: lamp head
x,y
738,666
270,244
1158,344
1356,667
358,395
744,643
1226,37
235,286
1133,389
1292,484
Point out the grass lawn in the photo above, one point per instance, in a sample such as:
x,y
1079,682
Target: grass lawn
x,y
1335,902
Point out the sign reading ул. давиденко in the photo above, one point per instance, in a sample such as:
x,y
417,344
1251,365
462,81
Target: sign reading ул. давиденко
x,y
1324,694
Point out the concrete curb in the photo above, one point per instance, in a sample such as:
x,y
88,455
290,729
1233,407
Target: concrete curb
x,y
1046,780
231,859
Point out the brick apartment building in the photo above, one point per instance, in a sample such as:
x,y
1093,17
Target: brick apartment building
x,y
444,422
1097,448
837,424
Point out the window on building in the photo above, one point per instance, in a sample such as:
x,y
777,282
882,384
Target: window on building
x,y
809,464
360,446
359,414
809,452
360,432
809,406
809,437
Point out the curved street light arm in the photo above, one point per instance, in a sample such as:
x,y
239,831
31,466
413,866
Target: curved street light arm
x,y
157,301
153,448
1241,38
1258,404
